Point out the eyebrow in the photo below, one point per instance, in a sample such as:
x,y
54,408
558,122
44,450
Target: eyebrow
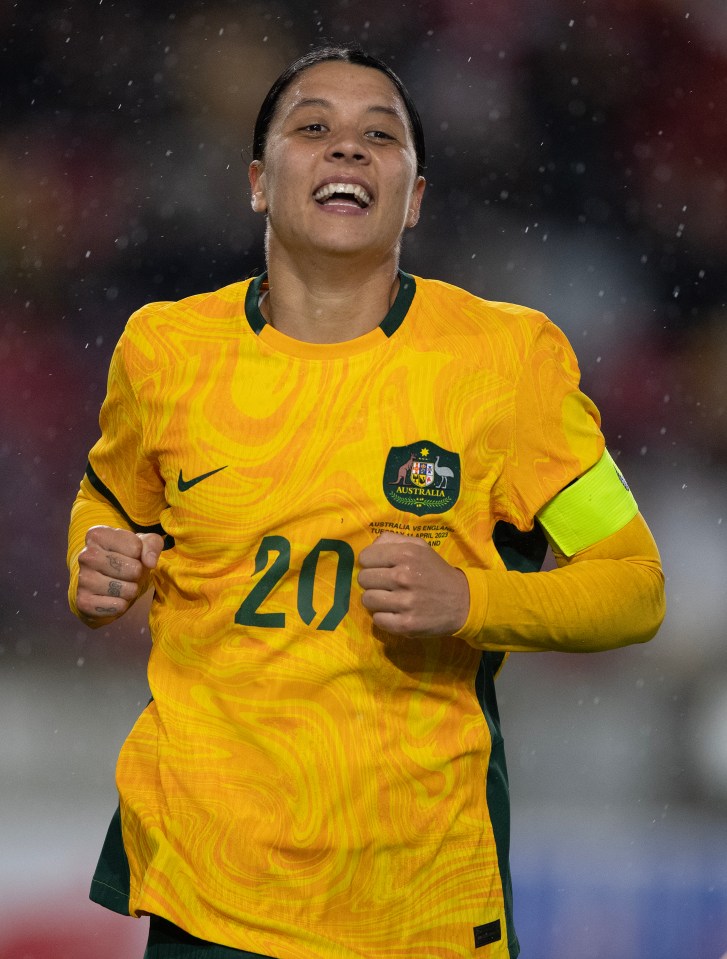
x,y
321,102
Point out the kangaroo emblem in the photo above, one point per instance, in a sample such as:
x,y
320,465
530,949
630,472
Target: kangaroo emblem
x,y
403,470
422,478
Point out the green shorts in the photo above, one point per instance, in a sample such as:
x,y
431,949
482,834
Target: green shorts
x,y
167,941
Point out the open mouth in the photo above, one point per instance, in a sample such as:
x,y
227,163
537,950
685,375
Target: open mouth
x,y
343,192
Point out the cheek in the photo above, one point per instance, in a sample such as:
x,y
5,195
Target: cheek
x,y
279,185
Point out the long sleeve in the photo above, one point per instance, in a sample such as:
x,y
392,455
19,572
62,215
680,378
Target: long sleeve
x,y
608,595
122,487
89,509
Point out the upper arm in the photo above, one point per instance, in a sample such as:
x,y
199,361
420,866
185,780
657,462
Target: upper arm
x,y
633,541
590,509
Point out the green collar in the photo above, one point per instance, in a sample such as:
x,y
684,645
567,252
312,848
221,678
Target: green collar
x,y
389,325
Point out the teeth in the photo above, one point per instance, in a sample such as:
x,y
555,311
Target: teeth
x,y
351,189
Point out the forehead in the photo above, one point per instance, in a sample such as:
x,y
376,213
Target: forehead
x,y
342,84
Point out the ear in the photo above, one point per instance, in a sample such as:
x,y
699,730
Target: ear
x,y
415,202
256,174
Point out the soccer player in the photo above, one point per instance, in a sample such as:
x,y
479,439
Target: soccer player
x,y
336,477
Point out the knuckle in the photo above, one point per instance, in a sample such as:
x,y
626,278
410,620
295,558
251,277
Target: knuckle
x,y
87,555
402,577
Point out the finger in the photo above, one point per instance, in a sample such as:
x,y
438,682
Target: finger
x,y
115,540
385,601
97,584
151,547
394,623
110,564
390,537
100,607
376,577
390,549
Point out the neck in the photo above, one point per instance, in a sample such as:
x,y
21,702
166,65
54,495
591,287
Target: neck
x,y
328,299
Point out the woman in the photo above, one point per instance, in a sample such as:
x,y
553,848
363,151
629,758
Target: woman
x,y
334,476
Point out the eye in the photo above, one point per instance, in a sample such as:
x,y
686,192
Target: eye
x,y
379,135
313,128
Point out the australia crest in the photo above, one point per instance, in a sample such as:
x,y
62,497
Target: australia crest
x,y
422,478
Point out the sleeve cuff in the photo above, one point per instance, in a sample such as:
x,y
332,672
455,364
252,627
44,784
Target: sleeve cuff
x,y
471,631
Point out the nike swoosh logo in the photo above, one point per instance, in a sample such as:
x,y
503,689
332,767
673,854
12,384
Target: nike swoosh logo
x,y
183,485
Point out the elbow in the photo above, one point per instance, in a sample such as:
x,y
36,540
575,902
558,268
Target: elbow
x,y
652,609
659,605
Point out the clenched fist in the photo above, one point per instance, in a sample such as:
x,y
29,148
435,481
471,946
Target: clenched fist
x,y
410,589
111,568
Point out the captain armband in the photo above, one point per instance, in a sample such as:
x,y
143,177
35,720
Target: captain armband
x,y
594,506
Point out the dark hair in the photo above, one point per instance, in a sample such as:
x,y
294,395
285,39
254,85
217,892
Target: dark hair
x,y
344,54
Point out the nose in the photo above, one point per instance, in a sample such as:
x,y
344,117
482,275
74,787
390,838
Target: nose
x,y
349,145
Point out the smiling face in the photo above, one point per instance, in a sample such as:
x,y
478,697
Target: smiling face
x,y
339,172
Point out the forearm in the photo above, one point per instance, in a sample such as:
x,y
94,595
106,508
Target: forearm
x,y
608,596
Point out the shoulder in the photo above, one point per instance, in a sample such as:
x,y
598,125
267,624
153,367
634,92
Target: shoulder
x,y
197,311
455,312
165,332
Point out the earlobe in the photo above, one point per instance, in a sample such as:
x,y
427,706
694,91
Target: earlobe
x,y
415,203
258,203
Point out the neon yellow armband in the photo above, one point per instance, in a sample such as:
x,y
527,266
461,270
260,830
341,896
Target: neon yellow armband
x,y
593,507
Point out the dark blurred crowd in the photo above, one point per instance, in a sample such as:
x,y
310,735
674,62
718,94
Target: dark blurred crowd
x,y
577,163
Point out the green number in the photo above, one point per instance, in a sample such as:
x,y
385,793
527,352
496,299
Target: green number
x,y
248,615
341,590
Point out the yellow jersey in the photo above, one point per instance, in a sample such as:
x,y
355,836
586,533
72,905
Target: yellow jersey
x,y
302,784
